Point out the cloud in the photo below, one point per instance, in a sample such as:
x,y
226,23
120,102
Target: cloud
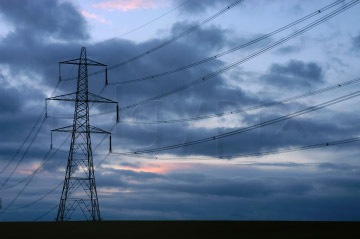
x,y
138,189
49,18
127,5
295,74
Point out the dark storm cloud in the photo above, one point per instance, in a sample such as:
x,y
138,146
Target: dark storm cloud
x,y
50,18
295,74
29,55
278,198
27,49
199,196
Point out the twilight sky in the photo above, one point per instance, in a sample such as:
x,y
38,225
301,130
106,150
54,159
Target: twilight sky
x,y
189,182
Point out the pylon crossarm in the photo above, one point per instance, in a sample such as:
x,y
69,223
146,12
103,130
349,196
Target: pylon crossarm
x,y
63,129
73,61
99,99
69,129
92,98
78,62
66,97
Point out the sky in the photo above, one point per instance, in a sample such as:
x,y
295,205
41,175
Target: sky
x,y
195,182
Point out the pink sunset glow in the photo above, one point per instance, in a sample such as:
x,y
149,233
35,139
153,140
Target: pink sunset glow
x,y
161,168
28,170
92,16
126,5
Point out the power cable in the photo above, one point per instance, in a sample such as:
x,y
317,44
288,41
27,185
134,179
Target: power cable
x,y
44,161
242,130
245,129
258,154
302,148
46,213
24,154
231,112
37,200
242,110
171,40
317,12
29,134
27,183
307,147
229,67
272,152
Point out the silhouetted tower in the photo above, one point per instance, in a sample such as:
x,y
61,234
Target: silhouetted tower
x,y
79,190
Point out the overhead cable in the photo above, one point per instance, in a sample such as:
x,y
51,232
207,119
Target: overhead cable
x,y
171,40
154,76
231,66
246,129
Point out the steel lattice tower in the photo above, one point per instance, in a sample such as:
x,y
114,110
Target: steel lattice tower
x,y
79,190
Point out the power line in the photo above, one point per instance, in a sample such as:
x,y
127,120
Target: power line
x,y
24,154
336,86
317,12
26,178
171,40
46,213
229,67
241,110
294,116
23,143
15,184
29,146
142,26
307,147
257,154
42,164
37,200
27,183
29,134
242,130
264,153
245,129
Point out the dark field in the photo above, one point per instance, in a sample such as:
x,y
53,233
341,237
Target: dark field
x,y
180,229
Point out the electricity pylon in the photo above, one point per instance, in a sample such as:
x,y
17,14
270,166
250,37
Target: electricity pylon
x,y
79,190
